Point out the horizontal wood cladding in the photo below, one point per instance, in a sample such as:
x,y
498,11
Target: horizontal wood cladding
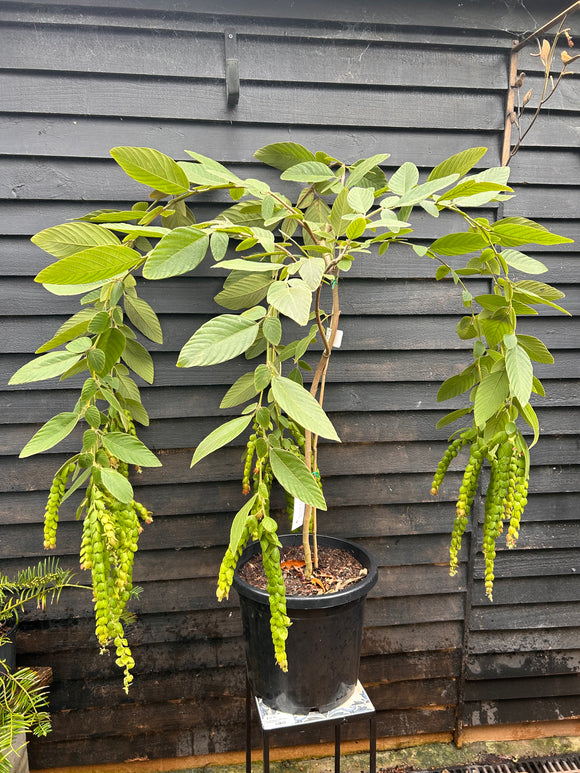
x,y
270,59
153,97
422,82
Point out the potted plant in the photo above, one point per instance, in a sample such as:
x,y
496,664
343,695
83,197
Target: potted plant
x,y
23,696
284,255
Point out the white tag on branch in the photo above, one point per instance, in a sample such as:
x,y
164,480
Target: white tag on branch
x,y
298,515
337,338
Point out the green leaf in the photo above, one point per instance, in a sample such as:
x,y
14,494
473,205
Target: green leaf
x,y
272,329
177,253
294,476
356,228
149,231
128,389
292,298
540,289
69,238
79,345
453,416
529,416
220,436
308,172
144,318
137,411
51,433
221,339
219,244
405,178
495,326
459,163
360,199
262,378
470,188
421,192
361,168
340,208
238,524
129,449
70,329
91,265
152,168
299,405
112,343
117,485
44,367
458,244
523,262
520,373
538,387
491,302
535,348
139,360
283,155
242,390
243,290
490,396
311,271
458,384
253,266
206,176
512,235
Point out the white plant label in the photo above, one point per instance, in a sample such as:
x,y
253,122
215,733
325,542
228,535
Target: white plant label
x,y
337,338
298,515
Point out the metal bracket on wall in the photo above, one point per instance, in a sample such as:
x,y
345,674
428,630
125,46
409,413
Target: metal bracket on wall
x,y
232,68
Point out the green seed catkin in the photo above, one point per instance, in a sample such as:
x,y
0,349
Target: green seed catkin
x,y
55,497
279,620
520,501
467,492
451,452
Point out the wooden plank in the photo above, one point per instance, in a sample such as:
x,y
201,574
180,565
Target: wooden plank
x,y
251,25
555,615
536,204
516,664
545,167
535,710
503,24
151,97
25,259
360,296
268,59
87,137
24,407
530,590
547,535
532,563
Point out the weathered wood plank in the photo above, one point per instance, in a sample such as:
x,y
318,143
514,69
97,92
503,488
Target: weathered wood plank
x,y
535,710
268,59
542,590
24,407
152,97
88,137
532,563
515,664
555,615
195,295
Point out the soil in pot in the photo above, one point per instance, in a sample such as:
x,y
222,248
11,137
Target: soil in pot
x,y
337,569
324,639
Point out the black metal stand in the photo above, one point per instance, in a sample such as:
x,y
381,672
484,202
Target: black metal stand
x,y
357,706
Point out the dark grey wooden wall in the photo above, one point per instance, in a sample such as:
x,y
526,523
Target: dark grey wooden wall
x,y
420,80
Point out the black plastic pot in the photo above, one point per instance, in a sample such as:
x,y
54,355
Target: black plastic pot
x,y
323,644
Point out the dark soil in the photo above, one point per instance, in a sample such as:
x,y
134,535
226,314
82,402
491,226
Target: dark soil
x,y
337,570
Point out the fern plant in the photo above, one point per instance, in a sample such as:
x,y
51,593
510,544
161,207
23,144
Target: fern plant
x,y
23,698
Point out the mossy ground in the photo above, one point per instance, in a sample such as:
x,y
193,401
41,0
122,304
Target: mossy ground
x,y
416,758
